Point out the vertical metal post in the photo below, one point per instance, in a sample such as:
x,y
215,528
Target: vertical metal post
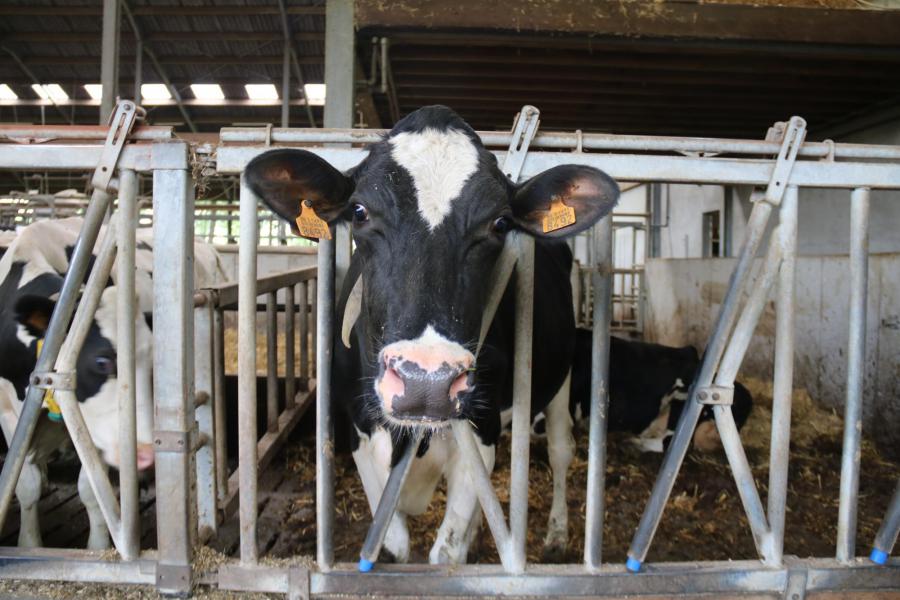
x,y
779,452
521,417
56,333
271,362
303,330
290,384
340,60
109,62
314,321
856,370
125,365
221,438
205,414
602,239
286,85
247,453
324,426
138,70
173,351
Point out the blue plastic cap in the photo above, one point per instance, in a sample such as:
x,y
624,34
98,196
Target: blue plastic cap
x,y
633,565
365,565
879,557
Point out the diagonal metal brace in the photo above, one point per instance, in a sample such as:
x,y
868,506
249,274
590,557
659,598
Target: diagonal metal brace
x,y
792,135
120,125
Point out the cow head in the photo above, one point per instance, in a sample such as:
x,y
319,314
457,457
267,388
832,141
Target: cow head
x,y
95,373
429,209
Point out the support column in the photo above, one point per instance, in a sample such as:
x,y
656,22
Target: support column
x,y
109,61
173,386
339,102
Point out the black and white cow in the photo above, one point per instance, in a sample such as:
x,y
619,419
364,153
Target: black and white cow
x,y
648,387
429,210
31,277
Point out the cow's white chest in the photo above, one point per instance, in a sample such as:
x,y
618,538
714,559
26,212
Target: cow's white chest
x,y
424,474
440,163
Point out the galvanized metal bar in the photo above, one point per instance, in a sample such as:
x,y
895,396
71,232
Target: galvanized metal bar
x,y
743,477
221,435
109,59
91,463
303,329
742,335
286,85
173,351
204,412
271,362
782,392
157,133
387,504
125,364
324,334
138,71
290,381
678,447
481,482
53,339
639,167
314,324
521,410
602,285
887,533
228,293
247,453
561,140
856,370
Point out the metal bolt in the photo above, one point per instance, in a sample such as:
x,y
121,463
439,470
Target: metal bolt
x,y
715,395
702,395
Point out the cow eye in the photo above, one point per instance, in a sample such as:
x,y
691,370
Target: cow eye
x,y
360,213
501,225
104,364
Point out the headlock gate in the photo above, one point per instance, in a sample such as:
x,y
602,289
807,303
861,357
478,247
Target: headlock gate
x,y
192,480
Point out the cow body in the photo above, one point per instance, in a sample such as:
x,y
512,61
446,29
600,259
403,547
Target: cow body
x,y
430,211
648,388
31,276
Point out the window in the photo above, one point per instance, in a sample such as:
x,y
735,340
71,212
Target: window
x,y
712,238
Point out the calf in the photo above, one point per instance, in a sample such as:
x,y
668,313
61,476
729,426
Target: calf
x,y
429,210
648,386
31,276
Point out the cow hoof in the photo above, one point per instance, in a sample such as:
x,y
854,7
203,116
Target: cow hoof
x,y
386,556
554,554
446,555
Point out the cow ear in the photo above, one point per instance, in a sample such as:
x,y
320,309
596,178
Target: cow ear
x,y
286,177
34,313
564,200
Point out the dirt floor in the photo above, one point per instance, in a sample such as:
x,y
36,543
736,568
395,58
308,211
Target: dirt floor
x,y
704,519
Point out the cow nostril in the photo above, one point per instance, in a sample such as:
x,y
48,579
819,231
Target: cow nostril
x,y
459,385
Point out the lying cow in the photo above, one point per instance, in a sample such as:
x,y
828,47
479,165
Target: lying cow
x,y
31,276
430,208
648,386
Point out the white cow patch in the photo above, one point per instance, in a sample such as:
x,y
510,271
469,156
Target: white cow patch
x,y
440,163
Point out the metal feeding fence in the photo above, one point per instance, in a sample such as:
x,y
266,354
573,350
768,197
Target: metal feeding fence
x,y
190,470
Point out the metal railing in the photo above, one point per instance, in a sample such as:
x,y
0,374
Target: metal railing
x,y
288,294
783,164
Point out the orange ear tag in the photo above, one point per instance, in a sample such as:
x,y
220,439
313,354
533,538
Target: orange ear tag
x,y
309,223
559,215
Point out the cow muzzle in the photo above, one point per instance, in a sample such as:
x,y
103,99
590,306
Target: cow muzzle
x,y
424,380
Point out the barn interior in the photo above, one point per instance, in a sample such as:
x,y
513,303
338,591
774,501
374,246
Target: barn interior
x,y
725,69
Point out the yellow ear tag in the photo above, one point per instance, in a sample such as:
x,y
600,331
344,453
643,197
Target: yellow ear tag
x,y
54,413
559,215
309,223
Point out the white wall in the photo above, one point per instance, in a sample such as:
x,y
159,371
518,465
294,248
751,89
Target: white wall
x,y
686,203
684,297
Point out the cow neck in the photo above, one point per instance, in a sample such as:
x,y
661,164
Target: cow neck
x,y
500,275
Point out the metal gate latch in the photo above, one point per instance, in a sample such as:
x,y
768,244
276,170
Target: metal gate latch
x,y
715,394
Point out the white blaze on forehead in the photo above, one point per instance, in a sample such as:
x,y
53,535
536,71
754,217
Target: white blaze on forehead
x,y
440,163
